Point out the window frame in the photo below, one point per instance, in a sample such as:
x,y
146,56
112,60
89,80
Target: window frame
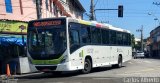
x,y
105,36
99,41
86,27
8,6
113,39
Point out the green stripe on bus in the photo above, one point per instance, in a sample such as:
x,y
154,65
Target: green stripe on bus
x,y
48,62
82,54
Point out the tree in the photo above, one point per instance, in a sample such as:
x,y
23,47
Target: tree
x,y
133,41
138,46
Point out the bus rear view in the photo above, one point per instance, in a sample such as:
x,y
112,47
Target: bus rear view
x,y
47,43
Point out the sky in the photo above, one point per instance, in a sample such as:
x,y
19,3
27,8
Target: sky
x,y
137,13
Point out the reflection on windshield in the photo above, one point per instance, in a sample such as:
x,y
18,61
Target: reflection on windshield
x,y
47,43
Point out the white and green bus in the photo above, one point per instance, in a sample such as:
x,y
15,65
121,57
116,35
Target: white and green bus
x,y
67,44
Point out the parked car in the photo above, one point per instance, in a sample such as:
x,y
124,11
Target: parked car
x,y
139,55
133,53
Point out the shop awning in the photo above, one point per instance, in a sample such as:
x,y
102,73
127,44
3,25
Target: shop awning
x,y
7,41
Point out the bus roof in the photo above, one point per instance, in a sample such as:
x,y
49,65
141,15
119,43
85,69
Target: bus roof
x,y
91,23
101,25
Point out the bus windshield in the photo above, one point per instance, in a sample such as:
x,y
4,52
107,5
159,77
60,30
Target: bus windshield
x,y
46,42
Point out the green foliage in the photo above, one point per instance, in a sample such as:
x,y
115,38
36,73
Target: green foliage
x,y
138,46
133,41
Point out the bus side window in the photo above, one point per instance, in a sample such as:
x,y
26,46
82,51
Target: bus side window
x,y
129,39
96,36
119,38
125,39
85,35
74,40
112,37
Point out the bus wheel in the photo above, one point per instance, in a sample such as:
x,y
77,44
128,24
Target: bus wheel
x,y
119,65
87,66
119,62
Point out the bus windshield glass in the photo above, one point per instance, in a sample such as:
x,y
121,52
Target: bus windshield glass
x,y
47,42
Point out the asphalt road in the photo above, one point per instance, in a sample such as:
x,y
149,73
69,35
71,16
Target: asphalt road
x,y
133,71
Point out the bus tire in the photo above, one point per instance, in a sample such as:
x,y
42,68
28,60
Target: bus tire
x,y
87,66
120,61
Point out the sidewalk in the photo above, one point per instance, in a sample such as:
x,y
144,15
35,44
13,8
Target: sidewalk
x,y
155,57
23,75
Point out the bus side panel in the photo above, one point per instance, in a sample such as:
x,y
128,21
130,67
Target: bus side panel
x,y
128,54
114,54
101,55
76,59
125,51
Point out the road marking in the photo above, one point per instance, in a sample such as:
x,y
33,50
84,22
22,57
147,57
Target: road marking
x,y
143,61
128,74
55,82
157,68
145,70
103,78
63,82
130,62
147,61
140,72
139,62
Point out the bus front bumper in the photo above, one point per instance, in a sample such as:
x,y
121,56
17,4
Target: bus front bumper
x,y
58,67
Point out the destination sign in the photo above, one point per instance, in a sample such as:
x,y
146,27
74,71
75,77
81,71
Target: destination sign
x,y
47,23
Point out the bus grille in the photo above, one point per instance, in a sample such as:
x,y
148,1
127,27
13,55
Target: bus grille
x,y
41,68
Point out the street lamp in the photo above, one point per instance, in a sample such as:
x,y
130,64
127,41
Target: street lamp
x,y
155,18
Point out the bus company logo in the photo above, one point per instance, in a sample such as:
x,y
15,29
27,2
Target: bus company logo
x,y
47,23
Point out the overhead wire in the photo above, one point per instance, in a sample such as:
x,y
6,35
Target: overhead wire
x,y
95,3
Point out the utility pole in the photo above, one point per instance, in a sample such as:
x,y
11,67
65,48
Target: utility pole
x,y
141,31
38,8
142,38
156,3
92,11
92,17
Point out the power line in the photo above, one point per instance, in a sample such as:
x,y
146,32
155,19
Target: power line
x,y
138,13
95,3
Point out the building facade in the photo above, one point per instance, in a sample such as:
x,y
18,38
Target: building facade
x,y
155,41
25,10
